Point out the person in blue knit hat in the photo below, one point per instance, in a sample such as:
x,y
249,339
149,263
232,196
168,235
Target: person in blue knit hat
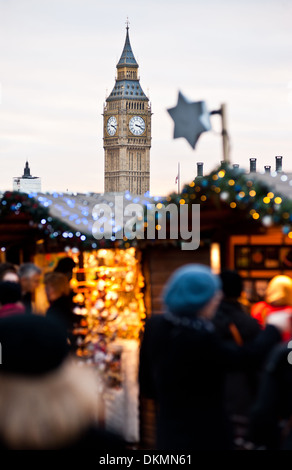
x,y
183,363
190,289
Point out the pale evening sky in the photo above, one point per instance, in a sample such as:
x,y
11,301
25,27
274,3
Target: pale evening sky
x,y
58,58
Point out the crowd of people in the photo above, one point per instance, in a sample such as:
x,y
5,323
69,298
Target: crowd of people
x,y
220,378
217,369
18,286
47,400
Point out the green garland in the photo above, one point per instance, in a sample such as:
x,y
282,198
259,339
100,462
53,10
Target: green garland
x,y
223,187
51,227
231,187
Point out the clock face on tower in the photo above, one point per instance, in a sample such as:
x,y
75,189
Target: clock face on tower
x,y
111,125
137,125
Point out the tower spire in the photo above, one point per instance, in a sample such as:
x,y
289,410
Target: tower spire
x,y
26,173
127,129
127,58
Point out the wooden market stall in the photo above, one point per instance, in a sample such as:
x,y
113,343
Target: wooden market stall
x,y
244,225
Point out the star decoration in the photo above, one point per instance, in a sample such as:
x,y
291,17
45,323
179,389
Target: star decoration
x,y
190,119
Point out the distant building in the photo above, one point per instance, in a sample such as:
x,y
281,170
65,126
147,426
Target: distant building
x,y
27,183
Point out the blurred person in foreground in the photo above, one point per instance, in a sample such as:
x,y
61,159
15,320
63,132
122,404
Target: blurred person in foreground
x,y
47,400
8,272
278,297
30,277
10,299
233,324
183,362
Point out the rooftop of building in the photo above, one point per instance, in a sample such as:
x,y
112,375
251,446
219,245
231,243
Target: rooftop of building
x,y
127,57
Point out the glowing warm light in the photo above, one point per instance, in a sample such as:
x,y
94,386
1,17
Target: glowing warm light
x,y
267,200
233,205
221,173
241,194
231,182
252,193
110,299
182,201
215,258
290,234
159,205
158,227
255,215
277,200
270,195
203,198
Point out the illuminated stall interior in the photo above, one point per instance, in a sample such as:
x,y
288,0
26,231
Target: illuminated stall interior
x,y
109,295
108,286
258,258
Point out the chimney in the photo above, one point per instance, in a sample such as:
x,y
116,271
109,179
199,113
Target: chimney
x,y
279,163
200,168
267,168
253,165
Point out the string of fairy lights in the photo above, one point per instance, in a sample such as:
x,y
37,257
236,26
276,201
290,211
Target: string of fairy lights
x,y
224,187
231,187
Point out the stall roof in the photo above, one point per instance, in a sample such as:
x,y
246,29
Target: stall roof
x,y
71,216
77,210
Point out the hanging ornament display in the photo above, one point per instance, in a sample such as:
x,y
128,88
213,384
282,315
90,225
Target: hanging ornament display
x,y
109,296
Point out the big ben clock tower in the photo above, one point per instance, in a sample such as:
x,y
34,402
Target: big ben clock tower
x,y
127,130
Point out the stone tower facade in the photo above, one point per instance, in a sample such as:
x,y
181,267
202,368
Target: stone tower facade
x,y
127,130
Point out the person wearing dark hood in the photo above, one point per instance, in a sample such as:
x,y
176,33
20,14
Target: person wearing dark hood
x,y
183,363
57,290
65,266
47,400
232,322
